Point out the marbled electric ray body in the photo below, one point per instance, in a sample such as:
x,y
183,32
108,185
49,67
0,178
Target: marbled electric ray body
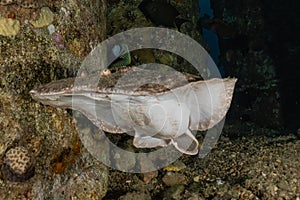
x,y
160,106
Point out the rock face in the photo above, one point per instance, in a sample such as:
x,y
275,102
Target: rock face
x,y
32,57
124,15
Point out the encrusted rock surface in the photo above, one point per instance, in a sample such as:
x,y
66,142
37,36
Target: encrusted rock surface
x,y
30,58
124,15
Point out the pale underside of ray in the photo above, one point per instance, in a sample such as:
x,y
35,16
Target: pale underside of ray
x,y
159,119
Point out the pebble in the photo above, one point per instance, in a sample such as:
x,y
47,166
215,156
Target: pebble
x,y
135,195
51,29
46,18
174,192
175,167
171,179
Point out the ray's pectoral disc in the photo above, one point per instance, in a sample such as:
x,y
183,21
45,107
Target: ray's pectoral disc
x,y
159,116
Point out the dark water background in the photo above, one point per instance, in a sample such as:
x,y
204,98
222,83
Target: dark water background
x,y
209,36
281,37
283,28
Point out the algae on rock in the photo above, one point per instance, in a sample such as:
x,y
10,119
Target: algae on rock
x,y
31,58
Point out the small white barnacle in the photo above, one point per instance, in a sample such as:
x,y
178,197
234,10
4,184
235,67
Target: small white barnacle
x,y
105,72
83,73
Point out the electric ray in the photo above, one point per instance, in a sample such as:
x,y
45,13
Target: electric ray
x,y
162,107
